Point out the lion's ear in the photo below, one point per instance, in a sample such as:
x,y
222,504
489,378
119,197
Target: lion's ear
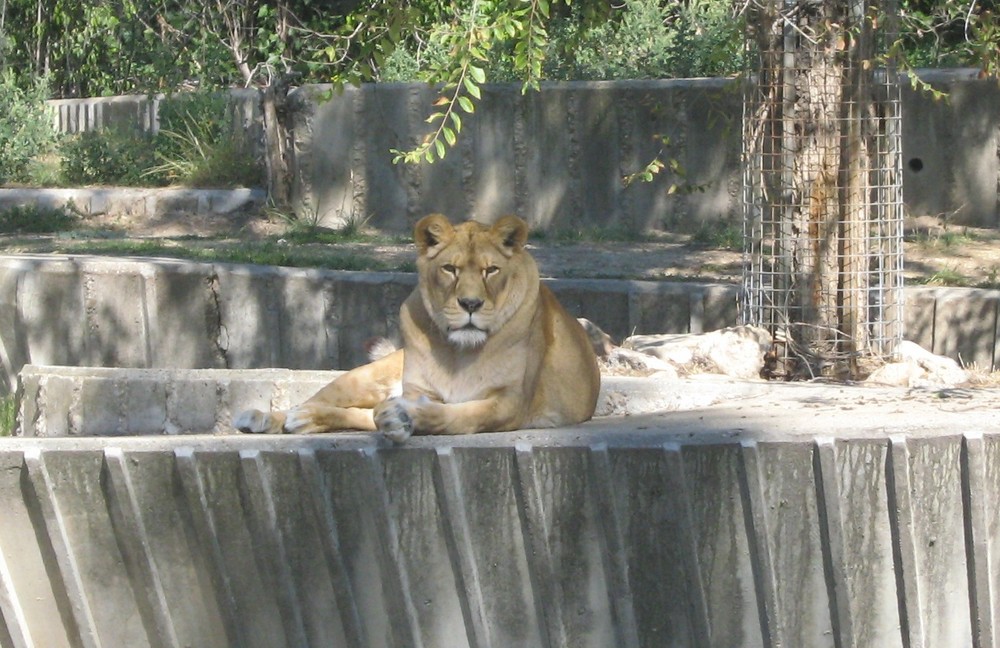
x,y
432,233
512,233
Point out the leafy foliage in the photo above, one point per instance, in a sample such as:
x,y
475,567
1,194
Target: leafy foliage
x,y
117,156
197,145
26,130
942,33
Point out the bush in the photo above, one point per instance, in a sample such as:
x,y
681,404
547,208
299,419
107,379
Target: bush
x,y
650,40
199,144
196,146
26,130
115,156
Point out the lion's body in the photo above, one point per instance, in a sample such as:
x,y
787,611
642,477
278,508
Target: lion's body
x,y
486,347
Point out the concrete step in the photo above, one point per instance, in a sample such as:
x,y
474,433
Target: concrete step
x,y
99,401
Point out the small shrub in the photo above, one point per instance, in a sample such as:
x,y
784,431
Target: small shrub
x,y
194,158
32,219
114,156
26,130
198,144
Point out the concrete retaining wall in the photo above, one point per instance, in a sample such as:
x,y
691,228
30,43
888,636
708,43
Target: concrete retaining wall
x,y
578,538
147,206
557,157
171,314
140,112
168,314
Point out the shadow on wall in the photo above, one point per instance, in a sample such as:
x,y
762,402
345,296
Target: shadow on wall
x,y
556,158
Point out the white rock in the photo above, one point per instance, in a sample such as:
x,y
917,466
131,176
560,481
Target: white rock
x,y
737,352
917,367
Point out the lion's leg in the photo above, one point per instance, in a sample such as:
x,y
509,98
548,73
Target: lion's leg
x,y
365,386
344,404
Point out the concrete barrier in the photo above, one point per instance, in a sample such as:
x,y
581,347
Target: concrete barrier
x,y
558,156
157,313
90,311
146,205
643,533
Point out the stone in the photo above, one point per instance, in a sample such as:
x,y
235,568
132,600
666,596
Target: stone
x,y
917,367
737,352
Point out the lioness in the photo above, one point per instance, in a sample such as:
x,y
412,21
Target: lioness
x,y
486,347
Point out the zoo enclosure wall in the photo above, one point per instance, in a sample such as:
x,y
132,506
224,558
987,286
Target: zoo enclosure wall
x,y
168,314
558,157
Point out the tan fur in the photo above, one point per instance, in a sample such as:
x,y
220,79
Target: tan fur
x,y
486,347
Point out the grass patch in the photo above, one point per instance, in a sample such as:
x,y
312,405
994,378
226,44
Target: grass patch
x,y
8,415
946,277
718,235
32,219
306,235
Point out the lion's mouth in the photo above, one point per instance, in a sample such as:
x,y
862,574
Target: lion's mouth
x,y
468,335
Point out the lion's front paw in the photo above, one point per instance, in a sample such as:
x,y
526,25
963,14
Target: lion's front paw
x,y
393,419
302,420
255,422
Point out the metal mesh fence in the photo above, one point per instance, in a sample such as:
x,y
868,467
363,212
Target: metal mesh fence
x,y
822,192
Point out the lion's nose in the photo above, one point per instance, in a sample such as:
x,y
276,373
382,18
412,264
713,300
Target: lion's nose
x,y
470,304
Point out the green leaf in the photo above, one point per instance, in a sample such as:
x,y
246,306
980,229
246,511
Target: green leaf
x,y
472,88
477,74
449,135
439,146
466,104
456,120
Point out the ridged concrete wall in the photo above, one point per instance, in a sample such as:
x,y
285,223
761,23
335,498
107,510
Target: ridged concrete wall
x,y
585,537
171,314
558,156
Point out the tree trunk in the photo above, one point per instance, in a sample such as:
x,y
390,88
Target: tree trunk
x,y
277,143
812,147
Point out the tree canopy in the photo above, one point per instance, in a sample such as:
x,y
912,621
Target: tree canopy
x,y
103,47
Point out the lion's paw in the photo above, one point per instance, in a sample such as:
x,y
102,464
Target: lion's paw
x,y
393,419
300,420
253,422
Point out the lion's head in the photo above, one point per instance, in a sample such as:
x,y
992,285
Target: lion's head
x,y
473,277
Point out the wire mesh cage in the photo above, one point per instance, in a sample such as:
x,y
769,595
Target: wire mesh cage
x,y
822,185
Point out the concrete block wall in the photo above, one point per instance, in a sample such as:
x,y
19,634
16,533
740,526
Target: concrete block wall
x,y
169,314
146,206
557,157
141,112
586,537
149,313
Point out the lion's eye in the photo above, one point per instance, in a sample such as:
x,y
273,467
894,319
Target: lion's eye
x,y
450,269
489,271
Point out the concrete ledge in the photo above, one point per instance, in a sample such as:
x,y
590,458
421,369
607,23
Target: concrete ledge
x,y
92,401
583,537
147,204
